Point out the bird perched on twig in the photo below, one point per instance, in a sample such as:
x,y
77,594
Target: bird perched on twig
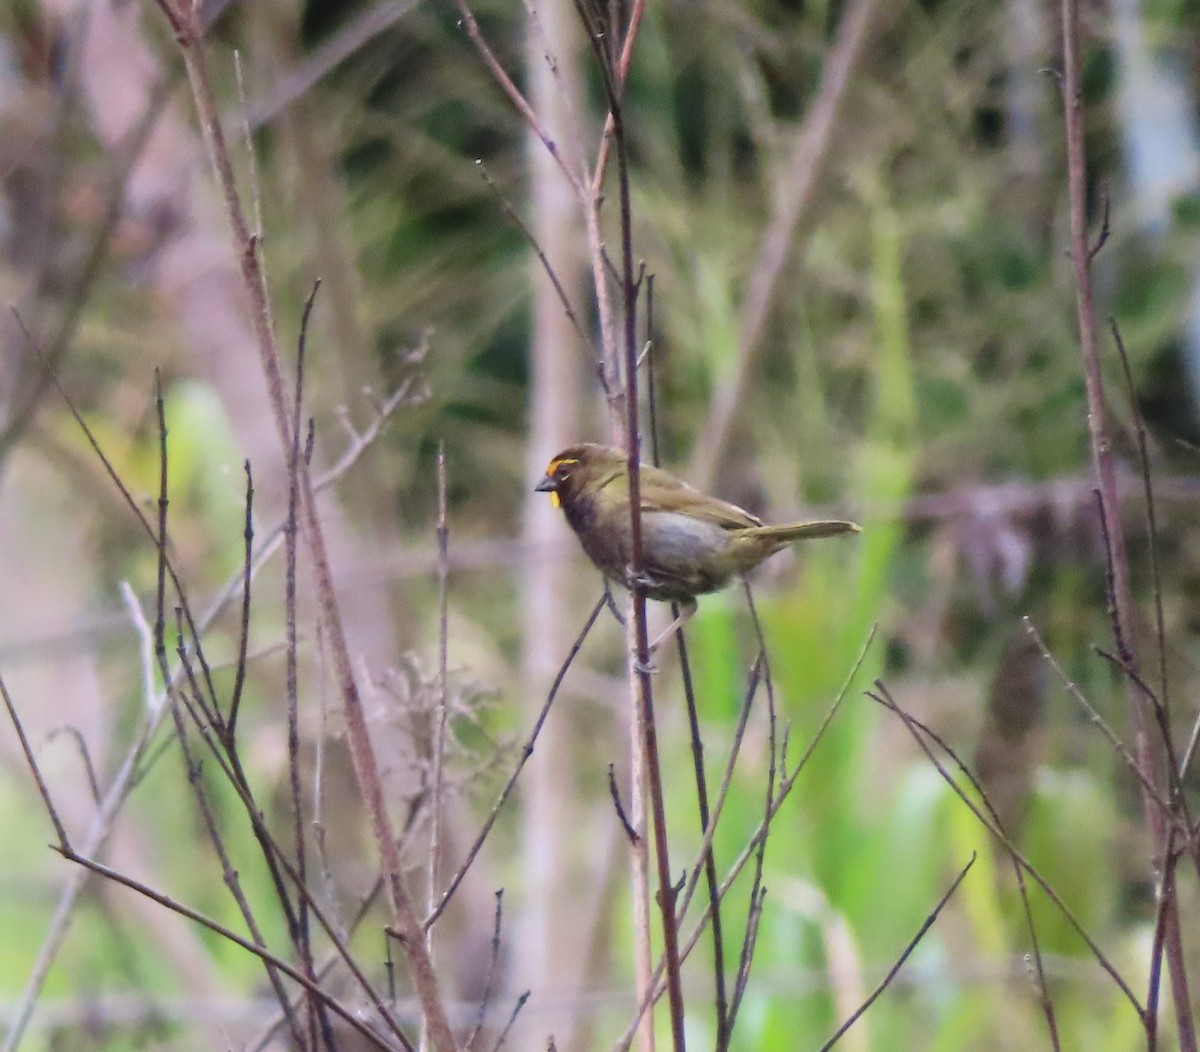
x,y
692,543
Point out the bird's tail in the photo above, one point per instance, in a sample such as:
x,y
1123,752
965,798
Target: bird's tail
x,y
802,531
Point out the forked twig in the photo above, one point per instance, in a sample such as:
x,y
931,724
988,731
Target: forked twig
x,y
787,783
920,732
60,830
351,1018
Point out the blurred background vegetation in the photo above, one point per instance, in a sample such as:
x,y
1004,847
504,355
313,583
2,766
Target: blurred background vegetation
x,y
917,370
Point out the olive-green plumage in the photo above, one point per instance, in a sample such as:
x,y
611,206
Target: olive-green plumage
x,y
691,543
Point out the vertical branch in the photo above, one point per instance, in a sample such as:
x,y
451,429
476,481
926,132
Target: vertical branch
x,y
229,732
1081,257
302,935
439,740
185,21
638,638
160,654
720,997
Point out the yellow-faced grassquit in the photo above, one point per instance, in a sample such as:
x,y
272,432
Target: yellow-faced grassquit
x,y
691,543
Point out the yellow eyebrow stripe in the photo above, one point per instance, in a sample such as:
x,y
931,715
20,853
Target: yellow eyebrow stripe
x,y
556,464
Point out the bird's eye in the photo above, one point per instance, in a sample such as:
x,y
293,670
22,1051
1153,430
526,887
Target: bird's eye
x,y
557,468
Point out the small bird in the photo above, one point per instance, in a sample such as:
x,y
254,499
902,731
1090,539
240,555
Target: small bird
x,y
691,543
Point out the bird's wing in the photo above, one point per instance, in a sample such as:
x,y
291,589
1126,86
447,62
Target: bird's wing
x,y
662,491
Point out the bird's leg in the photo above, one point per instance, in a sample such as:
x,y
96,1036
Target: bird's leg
x,y
687,608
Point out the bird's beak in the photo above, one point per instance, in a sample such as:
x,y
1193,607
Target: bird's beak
x,y
547,485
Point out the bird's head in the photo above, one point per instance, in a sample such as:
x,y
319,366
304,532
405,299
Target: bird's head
x,y
578,470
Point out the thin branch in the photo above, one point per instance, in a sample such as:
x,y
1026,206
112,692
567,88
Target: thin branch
x,y
511,213
622,71
720,998
85,755
1160,632
749,942
920,732
786,785
1094,715
614,793
637,635
894,970
130,767
735,748
756,889
469,1044
279,866
190,36
526,752
794,193
351,1018
302,937
239,677
193,769
1081,257
439,743
511,1020
1179,801
60,830
519,102
1166,901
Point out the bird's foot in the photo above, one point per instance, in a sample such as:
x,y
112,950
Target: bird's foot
x,y
641,581
647,668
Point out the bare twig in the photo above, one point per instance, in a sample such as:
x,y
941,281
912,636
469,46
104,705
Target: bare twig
x,y
193,769
1094,715
1081,256
130,767
349,1017
787,783
77,739
301,936
185,20
631,834
526,752
756,889
797,181
753,918
559,291
638,639
519,102
439,743
720,997
735,748
1160,631
60,830
239,676
469,1044
894,970
920,732
628,38
511,1020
